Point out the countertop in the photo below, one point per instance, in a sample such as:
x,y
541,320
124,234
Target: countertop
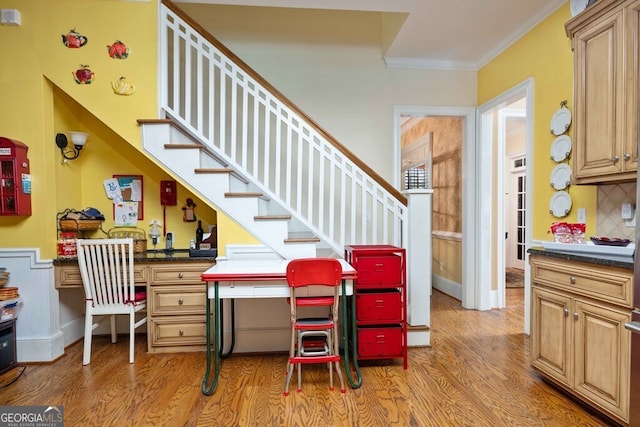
x,y
159,255
581,258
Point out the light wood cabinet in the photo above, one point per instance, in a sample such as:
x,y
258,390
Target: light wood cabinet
x,y
176,299
605,119
578,339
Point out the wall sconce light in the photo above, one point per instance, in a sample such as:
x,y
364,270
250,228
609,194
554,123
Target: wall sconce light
x,y
78,139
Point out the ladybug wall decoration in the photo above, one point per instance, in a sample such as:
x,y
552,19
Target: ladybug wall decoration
x,y
74,39
118,50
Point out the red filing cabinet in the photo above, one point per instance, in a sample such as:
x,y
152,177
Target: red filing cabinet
x,y
380,292
15,178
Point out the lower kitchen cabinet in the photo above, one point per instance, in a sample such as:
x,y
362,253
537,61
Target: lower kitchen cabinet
x,y
578,340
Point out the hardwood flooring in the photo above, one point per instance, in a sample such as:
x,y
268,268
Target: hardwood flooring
x,y
476,373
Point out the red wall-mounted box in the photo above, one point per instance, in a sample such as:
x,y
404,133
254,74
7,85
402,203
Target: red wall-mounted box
x,y
15,178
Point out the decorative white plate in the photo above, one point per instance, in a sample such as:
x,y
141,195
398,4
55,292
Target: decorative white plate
x,y
560,121
560,148
578,6
560,204
561,176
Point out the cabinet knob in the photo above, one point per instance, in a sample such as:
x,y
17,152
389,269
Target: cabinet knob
x,y
572,280
180,275
566,311
181,333
615,159
575,315
180,301
626,156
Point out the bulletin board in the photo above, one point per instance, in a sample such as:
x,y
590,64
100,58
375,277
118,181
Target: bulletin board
x,y
132,191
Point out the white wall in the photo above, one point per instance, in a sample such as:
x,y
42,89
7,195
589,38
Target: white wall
x,y
330,64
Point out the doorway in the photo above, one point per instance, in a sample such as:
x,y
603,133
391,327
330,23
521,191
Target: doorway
x,y
491,187
453,128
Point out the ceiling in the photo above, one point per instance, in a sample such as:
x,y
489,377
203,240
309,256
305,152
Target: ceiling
x,y
449,34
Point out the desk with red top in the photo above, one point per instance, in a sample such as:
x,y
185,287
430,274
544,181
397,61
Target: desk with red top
x,y
262,279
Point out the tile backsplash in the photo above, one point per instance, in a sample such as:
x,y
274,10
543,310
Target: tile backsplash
x,y
609,220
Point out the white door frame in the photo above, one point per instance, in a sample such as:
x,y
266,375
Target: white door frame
x,y
488,164
501,150
469,194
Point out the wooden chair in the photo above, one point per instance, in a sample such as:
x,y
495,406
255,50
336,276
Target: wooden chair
x,y
106,268
314,340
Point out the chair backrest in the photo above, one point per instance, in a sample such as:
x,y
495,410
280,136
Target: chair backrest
x,y
106,267
314,271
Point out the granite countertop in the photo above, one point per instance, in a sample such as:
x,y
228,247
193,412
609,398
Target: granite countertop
x,y
159,255
581,258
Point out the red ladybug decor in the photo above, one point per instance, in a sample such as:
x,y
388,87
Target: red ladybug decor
x,y
118,50
83,75
73,39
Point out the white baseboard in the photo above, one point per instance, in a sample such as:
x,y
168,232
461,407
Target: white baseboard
x,y
44,349
446,286
419,338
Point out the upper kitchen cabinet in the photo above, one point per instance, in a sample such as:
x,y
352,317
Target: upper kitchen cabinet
x,y
606,65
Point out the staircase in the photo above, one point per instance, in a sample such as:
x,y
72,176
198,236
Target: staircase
x,y
253,155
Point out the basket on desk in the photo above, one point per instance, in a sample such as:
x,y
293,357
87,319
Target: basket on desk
x,y
79,224
138,235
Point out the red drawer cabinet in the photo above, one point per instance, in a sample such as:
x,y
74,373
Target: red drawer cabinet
x,y
380,342
380,293
380,271
378,306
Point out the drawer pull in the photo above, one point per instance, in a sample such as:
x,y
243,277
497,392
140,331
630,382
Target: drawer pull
x,y
180,275
181,333
180,301
572,280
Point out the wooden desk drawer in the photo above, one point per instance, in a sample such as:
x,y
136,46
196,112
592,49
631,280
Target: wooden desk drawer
x,y
177,331
68,276
190,274
610,284
379,271
177,300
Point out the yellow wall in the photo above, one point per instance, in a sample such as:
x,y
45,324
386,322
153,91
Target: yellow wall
x,y
545,55
41,99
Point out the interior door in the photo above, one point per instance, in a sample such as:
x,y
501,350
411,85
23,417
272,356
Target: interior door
x,y
515,213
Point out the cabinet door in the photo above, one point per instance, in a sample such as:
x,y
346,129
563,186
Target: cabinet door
x,y
599,97
602,352
632,17
551,334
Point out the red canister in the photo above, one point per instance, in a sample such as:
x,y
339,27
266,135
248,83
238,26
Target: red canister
x,y
67,245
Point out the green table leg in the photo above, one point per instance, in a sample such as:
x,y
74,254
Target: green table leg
x,y
345,336
208,390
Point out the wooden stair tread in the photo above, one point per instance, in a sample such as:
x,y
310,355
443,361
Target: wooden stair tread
x,y
271,217
213,170
302,240
181,146
154,121
247,194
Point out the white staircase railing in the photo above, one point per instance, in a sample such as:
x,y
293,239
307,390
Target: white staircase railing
x,y
226,106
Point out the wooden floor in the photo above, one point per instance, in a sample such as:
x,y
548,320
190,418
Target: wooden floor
x,y
476,373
